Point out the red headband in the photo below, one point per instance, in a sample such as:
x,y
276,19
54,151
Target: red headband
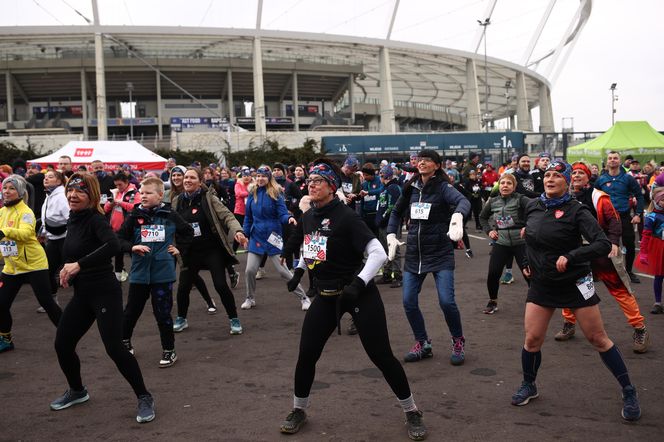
x,y
582,167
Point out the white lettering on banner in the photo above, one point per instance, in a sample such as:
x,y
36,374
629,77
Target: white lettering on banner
x,y
586,286
315,247
8,248
153,233
276,240
420,210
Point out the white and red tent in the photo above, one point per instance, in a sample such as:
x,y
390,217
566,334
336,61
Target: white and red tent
x,y
112,153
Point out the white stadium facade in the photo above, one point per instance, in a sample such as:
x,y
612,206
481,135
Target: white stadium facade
x,y
191,86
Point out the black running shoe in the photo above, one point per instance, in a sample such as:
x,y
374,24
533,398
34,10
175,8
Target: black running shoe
x,y
145,409
525,393
168,358
71,397
631,410
416,428
235,278
294,421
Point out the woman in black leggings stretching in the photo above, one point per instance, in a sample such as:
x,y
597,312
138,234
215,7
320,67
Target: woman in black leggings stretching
x,y
334,239
89,246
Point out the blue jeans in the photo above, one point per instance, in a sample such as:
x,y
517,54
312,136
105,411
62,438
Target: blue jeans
x,y
412,284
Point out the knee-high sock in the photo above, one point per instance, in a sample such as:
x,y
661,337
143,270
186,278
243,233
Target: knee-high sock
x,y
530,362
657,288
614,362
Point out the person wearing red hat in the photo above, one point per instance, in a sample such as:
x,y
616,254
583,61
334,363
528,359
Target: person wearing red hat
x,y
609,269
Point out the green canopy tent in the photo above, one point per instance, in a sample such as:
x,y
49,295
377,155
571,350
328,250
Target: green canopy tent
x,y
636,138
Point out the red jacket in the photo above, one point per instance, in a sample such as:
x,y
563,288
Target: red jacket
x,y
124,203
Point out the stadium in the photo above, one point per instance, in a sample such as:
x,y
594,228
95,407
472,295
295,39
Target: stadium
x,y
214,87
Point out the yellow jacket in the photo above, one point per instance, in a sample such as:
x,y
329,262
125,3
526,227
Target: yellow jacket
x,y
20,249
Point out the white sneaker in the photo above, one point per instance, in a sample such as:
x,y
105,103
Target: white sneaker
x,y
306,302
248,303
118,276
123,276
260,274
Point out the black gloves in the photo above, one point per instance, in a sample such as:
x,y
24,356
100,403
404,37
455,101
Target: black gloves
x,y
2,235
353,290
295,280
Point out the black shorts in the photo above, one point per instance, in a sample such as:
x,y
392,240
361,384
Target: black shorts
x,y
559,295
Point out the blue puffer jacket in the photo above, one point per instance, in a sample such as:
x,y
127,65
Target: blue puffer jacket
x,y
428,248
158,265
264,216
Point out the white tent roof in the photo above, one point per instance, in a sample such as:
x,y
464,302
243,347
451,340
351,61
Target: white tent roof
x,y
112,153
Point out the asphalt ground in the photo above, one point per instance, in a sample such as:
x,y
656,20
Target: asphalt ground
x,y
239,388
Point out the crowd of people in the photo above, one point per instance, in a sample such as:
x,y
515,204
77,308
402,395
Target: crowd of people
x,y
351,228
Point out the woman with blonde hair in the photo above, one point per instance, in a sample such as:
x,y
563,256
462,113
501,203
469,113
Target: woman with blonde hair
x,y
265,214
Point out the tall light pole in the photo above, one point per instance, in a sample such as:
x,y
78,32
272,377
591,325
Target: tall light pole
x,y
613,102
484,24
508,85
130,89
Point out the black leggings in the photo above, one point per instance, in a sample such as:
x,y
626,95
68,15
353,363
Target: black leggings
x,y
369,317
476,208
501,256
628,240
41,286
162,304
214,260
55,261
119,262
95,299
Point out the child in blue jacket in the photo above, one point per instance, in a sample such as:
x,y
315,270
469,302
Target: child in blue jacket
x,y
150,233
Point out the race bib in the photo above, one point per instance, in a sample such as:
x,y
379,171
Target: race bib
x,y
153,233
370,198
420,210
8,248
104,199
347,187
504,222
586,286
197,229
315,247
276,240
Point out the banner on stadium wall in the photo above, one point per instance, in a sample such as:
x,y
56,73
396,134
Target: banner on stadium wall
x,y
413,142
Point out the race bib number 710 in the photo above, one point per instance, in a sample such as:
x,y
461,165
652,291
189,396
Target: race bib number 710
x,y
153,233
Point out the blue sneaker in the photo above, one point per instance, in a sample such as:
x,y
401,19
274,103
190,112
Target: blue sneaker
x,y
71,397
236,327
6,343
421,350
631,410
525,393
180,324
145,409
458,353
507,278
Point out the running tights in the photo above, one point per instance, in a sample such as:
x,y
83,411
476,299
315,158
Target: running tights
x,y
55,261
657,288
213,259
41,286
161,295
97,299
501,256
369,316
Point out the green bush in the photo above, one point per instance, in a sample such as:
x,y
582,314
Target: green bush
x,y
9,153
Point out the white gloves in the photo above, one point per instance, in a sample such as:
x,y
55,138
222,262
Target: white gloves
x,y
456,227
392,244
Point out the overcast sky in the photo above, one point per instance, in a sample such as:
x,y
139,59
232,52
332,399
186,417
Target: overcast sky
x,y
622,43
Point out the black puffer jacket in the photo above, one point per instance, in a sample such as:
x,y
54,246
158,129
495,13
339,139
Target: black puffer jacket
x,y
428,247
551,233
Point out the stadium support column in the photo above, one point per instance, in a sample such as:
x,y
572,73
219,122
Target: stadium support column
x,y
231,104
259,100
84,104
387,123
523,120
473,98
296,103
10,97
351,97
546,111
102,130
160,130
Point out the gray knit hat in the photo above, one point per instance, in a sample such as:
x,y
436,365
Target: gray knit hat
x,y
18,182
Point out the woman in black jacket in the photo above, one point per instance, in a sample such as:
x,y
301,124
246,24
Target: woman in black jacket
x,y
89,246
559,265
